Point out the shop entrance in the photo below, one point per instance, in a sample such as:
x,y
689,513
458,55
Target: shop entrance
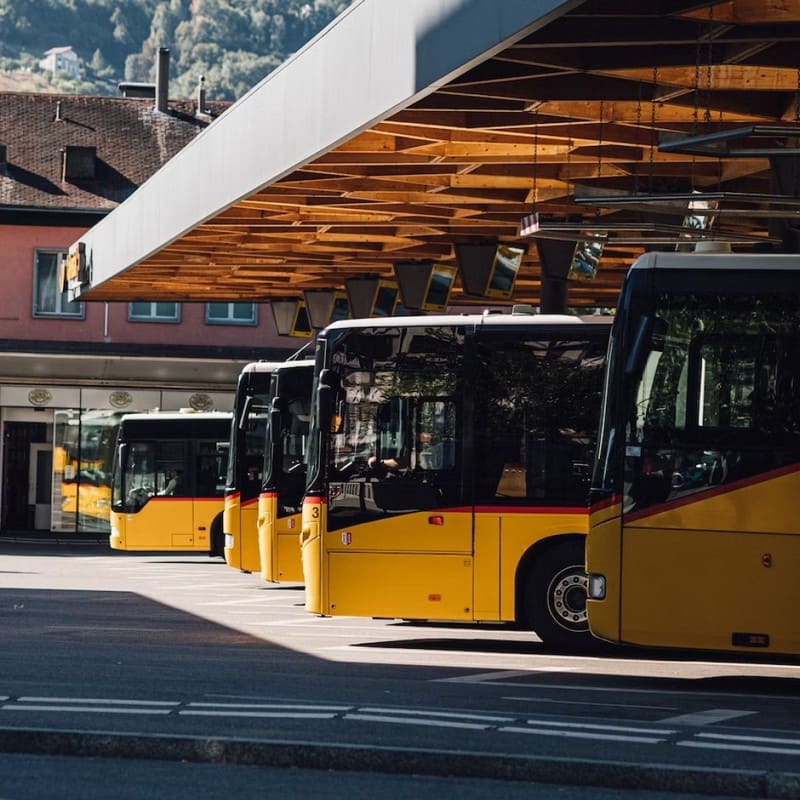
x,y
27,475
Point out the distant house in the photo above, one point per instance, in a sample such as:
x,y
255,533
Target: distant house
x,y
62,59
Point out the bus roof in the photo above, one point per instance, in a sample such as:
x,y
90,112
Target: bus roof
x,y
171,416
306,363
490,319
261,366
718,261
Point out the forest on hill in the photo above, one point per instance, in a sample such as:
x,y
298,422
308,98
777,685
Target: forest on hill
x,y
232,43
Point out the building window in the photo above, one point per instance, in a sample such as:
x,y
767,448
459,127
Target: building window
x,y
154,312
48,299
231,314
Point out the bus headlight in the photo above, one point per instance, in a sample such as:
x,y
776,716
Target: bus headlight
x,y
597,587
229,540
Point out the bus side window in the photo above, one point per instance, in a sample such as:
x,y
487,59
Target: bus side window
x,y
206,466
436,435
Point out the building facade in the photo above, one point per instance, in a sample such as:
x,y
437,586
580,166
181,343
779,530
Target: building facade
x,y
69,370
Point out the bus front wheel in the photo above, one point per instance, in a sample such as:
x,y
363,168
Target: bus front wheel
x,y
555,596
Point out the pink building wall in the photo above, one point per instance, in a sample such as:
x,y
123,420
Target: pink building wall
x,y
16,307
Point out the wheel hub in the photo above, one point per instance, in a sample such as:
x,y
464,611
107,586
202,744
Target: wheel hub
x,y
567,598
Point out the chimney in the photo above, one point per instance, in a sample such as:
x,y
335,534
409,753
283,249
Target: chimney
x,y
162,80
201,95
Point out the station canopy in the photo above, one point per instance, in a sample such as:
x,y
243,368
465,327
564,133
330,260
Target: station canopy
x,y
406,130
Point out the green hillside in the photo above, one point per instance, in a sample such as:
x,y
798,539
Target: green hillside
x,y
233,43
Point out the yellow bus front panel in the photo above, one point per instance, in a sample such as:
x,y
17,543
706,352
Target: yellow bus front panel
x,y
267,506
279,542
603,551
417,566
709,589
166,523
314,520
241,533
290,564
715,572
401,585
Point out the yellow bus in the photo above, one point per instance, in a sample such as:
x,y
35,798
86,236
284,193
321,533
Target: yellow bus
x,y
167,483
245,464
281,498
694,539
448,469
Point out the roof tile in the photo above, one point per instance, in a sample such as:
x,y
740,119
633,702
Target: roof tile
x,y
131,138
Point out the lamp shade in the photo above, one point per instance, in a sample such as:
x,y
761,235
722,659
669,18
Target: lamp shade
x,y
326,306
371,297
425,285
488,269
291,318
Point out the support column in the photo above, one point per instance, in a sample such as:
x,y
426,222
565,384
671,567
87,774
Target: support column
x,y
555,257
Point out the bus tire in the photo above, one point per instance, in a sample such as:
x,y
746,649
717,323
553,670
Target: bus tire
x,y
554,596
217,539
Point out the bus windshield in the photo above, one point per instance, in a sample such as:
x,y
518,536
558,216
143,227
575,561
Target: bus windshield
x,y
397,409
287,446
168,458
708,391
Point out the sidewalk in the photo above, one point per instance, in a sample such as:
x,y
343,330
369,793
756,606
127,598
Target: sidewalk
x,y
53,537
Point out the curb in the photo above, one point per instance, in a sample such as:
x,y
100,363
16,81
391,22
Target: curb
x,y
440,763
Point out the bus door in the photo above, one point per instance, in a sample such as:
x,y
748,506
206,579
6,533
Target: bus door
x,y
536,396
399,540
210,466
709,546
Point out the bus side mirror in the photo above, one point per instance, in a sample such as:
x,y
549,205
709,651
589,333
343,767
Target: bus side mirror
x,y
275,420
327,393
248,404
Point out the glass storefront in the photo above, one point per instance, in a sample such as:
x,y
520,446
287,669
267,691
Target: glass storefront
x,y
83,452
59,478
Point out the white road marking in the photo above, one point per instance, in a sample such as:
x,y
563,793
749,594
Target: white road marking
x,y
732,737
434,723
583,735
709,717
134,628
486,679
257,714
96,700
445,714
584,703
598,727
749,748
274,706
87,709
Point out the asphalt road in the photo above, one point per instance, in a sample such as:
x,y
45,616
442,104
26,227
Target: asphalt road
x,y
180,657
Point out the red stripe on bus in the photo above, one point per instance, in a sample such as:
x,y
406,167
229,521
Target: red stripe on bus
x,y
698,497
606,502
515,509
